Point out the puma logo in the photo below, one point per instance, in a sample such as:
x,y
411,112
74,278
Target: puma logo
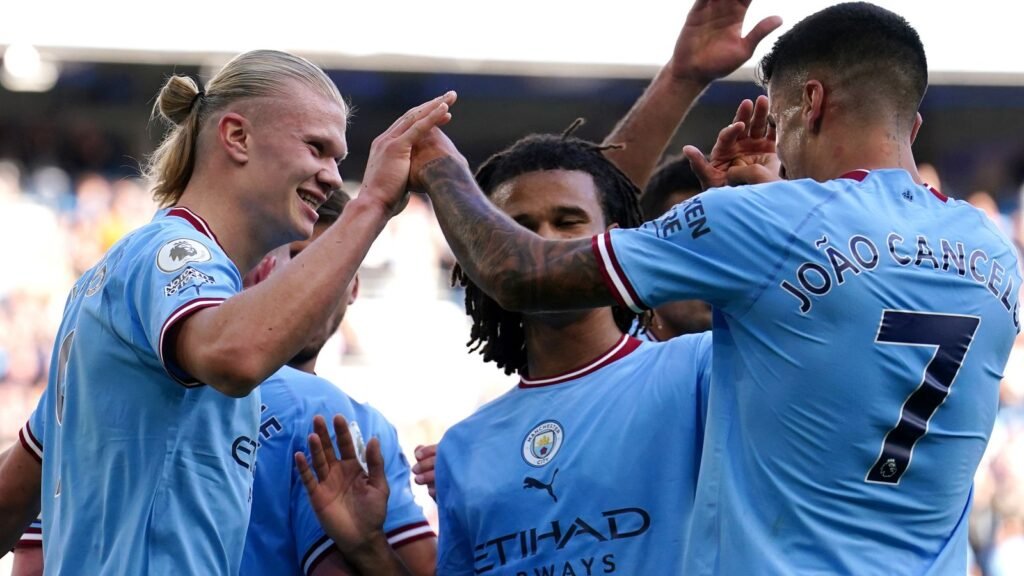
x,y
534,483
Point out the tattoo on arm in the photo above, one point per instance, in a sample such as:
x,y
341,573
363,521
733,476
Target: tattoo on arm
x,y
519,269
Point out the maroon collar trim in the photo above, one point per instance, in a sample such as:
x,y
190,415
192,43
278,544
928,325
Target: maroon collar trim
x,y
196,221
622,348
860,174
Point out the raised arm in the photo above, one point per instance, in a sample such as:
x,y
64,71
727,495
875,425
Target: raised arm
x,y
709,47
262,328
516,267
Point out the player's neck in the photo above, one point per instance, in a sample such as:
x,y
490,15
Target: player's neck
x,y
874,149
235,234
309,366
559,343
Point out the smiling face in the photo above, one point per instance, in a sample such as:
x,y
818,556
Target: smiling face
x,y
295,145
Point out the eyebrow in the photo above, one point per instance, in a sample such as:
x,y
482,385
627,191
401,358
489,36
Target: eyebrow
x,y
571,211
559,211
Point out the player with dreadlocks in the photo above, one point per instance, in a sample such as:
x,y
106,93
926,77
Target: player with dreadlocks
x,y
498,334
589,395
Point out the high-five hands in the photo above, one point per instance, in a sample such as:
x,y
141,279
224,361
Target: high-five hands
x,y
387,170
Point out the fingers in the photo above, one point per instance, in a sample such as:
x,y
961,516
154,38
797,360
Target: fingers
x,y
439,116
316,450
344,435
412,116
728,136
305,472
707,174
424,452
760,31
375,465
759,119
743,112
324,439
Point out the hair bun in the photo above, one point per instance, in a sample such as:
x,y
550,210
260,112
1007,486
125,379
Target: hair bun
x,y
177,98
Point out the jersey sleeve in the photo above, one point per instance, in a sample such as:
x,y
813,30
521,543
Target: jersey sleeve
x,y
720,246
454,548
177,272
405,522
31,434
33,536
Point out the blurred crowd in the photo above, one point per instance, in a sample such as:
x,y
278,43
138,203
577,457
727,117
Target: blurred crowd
x,y
401,346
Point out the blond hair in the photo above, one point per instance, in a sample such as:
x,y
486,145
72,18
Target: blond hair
x,y
186,106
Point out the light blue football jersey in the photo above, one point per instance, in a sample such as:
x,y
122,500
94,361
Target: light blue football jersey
x,y
284,534
590,472
145,470
861,329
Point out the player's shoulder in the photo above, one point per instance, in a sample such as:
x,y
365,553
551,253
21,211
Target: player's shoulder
x,y
481,421
688,344
667,357
173,239
373,419
290,389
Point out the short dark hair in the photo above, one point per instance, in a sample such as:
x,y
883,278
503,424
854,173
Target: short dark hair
x,y
330,211
673,176
859,42
498,333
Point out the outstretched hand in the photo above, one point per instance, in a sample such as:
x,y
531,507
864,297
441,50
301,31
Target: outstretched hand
x,y
349,502
387,169
744,152
710,46
426,460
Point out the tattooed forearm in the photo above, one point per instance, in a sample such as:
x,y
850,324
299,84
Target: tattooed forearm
x,y
520,270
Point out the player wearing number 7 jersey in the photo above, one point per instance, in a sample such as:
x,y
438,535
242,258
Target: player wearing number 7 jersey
x,y
862,319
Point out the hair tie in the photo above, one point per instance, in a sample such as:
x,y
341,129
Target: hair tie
x,y
196,98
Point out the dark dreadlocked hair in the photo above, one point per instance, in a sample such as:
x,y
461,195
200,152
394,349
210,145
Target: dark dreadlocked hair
x,y
497,333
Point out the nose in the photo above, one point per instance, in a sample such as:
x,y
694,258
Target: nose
x,y
330,176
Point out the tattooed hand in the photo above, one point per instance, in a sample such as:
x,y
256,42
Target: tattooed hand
x,y
434,145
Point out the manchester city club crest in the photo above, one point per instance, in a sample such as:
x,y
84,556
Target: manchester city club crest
x,y
542,443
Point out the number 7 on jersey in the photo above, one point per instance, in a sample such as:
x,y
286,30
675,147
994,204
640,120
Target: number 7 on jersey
x,y
951,335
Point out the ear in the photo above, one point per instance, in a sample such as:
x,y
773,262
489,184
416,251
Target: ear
x,y
812,100
918,120
233,134
355,289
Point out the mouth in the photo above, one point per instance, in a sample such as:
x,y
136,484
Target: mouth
x,y
312,199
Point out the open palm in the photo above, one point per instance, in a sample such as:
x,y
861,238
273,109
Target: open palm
x,y
350,502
